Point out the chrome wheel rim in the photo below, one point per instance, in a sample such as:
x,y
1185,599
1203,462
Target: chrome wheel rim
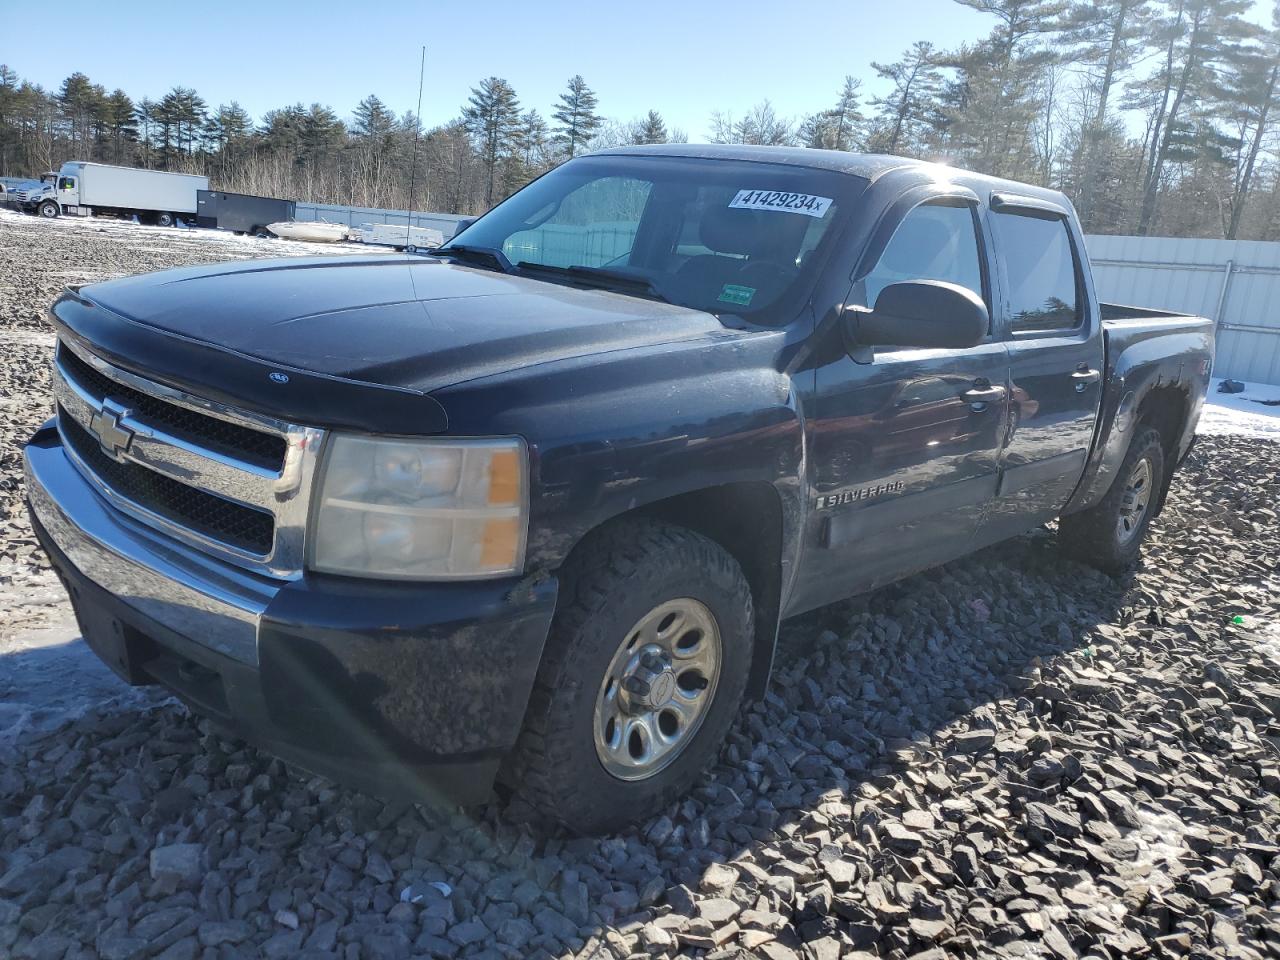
x,y
1134,501
657,689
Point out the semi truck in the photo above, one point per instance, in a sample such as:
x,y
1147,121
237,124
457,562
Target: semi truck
x,y
532,510
87,189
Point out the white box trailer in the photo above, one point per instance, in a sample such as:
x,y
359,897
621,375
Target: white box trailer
x,y
154,196
398,236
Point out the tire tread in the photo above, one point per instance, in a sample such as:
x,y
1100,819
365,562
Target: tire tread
x,y
538,768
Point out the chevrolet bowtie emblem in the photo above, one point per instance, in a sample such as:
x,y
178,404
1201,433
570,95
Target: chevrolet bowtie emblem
x,y
112,435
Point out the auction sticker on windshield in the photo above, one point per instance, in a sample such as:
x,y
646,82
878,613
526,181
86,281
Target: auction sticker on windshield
x,y
805,203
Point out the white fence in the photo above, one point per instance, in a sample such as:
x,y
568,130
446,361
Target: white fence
x,y
1233,282
446,223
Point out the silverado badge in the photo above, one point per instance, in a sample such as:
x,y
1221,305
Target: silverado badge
x,y
841,497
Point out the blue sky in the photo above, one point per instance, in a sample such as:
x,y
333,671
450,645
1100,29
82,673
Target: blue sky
x,y
684,59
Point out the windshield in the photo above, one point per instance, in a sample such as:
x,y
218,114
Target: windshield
x,y
724,236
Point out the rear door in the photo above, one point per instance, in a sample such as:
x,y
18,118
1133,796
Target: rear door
x,y
1050,324
904,448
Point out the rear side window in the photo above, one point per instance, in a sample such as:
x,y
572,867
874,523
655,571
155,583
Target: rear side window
x,y
1043,292
934,241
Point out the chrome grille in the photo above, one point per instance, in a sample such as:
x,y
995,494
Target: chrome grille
x,y
230,482
248,528
222,436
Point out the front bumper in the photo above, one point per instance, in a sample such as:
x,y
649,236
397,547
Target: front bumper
x,y
413,691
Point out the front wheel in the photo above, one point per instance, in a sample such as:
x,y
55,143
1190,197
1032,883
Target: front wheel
x,y
645,668
48,209
1109,534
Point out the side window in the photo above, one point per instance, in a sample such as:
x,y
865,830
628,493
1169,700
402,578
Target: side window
x,y
935,241
68,183
1040,264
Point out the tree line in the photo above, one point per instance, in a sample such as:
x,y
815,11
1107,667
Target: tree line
x,y
1154,116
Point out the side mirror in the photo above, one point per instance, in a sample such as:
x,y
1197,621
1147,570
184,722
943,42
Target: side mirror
x,y
920,313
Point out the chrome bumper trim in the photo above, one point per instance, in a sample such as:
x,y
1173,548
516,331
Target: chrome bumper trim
x,y
213,603
284,494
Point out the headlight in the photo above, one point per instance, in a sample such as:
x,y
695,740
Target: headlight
x,y
421,509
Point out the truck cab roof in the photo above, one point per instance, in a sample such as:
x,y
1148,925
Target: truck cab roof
x,y
869,166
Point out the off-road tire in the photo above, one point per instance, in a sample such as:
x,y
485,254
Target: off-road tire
x,y
612,581
1091,536
48,209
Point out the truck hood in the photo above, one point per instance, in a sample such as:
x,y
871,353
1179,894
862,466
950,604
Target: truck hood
x,y
409,322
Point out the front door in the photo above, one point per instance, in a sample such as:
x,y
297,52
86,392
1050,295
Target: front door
x,y
69,192
1056,363
903,451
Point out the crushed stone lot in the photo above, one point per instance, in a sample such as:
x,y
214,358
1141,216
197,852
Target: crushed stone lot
x,y
1011,756
38,258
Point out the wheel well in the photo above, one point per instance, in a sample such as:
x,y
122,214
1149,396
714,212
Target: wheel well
x,y
1165,409
746,520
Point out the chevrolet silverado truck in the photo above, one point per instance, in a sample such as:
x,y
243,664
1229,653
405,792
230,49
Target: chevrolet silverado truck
x,y
529,510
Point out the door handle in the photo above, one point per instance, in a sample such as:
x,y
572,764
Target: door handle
x,y
1084,376
982,394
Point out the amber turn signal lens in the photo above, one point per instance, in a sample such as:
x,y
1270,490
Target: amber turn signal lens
x,y
504,478
500,545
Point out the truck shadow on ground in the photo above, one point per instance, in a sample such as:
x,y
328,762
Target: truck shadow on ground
x,y
872,701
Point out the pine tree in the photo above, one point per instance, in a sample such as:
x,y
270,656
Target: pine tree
x,y
1250,92
533,140
1197,37
492,117
144,113
229,130
1105,37
906,113
120,128
181,116
997,97
652,129
838,127
80,106
575,117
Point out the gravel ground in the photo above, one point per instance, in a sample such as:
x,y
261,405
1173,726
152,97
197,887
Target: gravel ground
x,y
37,259
1010,756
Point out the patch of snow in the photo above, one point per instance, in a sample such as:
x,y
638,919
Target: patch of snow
x,y
1238,414
51,676
183,234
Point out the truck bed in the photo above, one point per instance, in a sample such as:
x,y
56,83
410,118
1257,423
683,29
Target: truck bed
x,y
1120,311
1183,339
1146,350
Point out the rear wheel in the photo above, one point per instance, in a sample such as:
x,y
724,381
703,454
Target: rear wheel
x,y
164,219
48,209
644,671
1109,534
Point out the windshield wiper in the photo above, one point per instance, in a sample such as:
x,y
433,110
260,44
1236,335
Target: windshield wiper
x,y
465,251
598,276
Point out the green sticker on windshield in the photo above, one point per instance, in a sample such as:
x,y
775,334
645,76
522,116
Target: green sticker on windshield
x,y
732,293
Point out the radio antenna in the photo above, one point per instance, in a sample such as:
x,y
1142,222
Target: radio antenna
x,y
417,126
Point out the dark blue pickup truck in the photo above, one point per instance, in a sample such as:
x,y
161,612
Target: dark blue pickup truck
x,y
531,508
